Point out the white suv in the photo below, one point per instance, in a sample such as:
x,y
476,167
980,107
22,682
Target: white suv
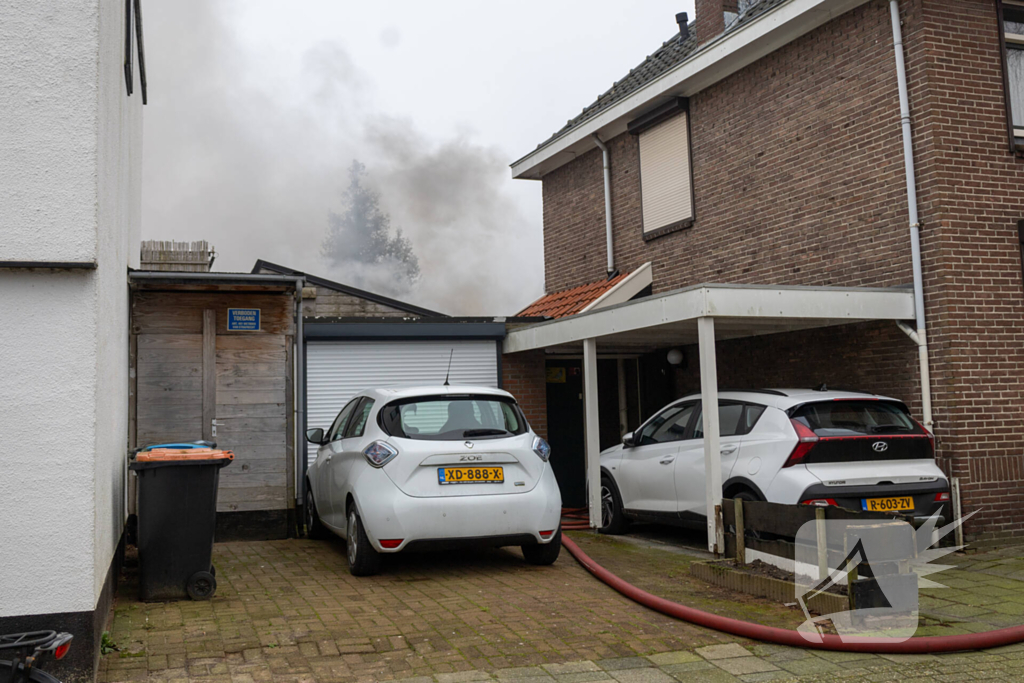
x,y
794,446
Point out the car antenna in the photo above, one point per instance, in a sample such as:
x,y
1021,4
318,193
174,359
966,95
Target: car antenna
x,y
449,371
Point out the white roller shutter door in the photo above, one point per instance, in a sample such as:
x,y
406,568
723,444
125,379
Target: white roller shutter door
x,y
336,371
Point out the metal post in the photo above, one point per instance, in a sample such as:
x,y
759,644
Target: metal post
x,y
592,430
741,546
712,449
819,527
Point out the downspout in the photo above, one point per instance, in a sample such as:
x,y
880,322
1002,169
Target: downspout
x,y
918,336
607,204
299,400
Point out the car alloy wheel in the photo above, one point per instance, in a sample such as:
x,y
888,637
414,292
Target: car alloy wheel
x,y
309,511
351,539
607,506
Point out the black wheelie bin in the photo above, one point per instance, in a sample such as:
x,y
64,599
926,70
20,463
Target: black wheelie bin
x,y
177,511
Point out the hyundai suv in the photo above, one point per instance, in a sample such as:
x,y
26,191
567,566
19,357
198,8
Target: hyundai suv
x,y
793,446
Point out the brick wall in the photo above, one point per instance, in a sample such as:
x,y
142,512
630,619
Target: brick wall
x,y
522,375
798,180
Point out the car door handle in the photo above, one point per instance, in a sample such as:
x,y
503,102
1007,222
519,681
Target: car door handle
x,y
728,450
668,461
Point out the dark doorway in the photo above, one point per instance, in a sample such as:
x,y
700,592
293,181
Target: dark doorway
x,y
618,407
565,429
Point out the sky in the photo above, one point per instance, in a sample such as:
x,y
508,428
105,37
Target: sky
x,y
258,108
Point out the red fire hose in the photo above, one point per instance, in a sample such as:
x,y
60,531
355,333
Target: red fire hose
x,y
782,636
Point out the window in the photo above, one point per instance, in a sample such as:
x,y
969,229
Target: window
x,y
734,419
666,196
856,418
668,425
1013,37
449,417
357,425
334,433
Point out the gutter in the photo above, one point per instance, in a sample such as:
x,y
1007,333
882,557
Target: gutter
x,y
607,204
919,336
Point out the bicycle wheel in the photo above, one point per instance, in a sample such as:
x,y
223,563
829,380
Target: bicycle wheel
x,y
35,675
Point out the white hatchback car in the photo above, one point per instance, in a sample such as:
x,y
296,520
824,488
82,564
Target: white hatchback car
x,y
432,467
793,446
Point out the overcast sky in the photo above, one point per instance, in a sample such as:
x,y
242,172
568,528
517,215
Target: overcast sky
x,y
257,108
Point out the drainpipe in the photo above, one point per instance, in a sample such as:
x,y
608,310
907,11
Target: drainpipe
x,y
918,336
607,204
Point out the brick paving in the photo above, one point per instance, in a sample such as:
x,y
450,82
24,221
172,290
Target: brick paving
x,y
290,611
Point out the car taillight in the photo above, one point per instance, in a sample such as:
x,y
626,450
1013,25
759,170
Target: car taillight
x,y
541,448
807,440
391,543
931,437
379,453
820,502
545,534
942,497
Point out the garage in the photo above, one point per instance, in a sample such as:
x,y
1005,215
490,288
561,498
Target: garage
x,y
344,356
337,370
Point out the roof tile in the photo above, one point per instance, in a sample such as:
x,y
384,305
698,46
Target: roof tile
x,y
570,301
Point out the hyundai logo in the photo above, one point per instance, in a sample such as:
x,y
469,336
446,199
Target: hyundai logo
x,y
469,444
880,446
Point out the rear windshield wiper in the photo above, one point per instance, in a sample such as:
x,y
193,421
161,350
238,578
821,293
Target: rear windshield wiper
x,y
485,432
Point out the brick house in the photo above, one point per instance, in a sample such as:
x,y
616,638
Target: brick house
x,y
762,145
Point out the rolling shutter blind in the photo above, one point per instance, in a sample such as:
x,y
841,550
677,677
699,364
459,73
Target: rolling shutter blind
x,y
337,371
665,174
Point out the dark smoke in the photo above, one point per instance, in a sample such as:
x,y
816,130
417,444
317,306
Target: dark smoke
x,y
254,163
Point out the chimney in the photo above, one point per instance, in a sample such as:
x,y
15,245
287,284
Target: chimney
x,y
194,257
710,21
684,30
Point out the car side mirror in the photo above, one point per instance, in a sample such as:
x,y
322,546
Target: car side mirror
x,y
315,436
627,440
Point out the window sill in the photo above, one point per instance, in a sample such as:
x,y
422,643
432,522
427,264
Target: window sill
x,y
668,229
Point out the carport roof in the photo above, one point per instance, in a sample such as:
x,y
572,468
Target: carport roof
x,y
670,318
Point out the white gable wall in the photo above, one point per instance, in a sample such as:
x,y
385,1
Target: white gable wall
x,y
70,162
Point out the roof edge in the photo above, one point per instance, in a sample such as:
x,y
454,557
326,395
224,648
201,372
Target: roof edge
x,y
347,289
713,62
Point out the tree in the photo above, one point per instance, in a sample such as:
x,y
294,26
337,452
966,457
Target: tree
x,y
361,235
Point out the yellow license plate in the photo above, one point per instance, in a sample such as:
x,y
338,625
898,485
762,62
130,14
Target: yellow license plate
x,y
900,504
470,475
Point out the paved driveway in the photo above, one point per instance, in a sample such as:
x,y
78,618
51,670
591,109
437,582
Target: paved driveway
x,y
290,611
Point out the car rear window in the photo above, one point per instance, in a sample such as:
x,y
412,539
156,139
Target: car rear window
x,y
856,418
442,418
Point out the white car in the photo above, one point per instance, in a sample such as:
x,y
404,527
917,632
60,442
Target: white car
x,y
793,446
432,467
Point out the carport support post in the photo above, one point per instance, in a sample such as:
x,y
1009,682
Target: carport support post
x,y
592,430
712,452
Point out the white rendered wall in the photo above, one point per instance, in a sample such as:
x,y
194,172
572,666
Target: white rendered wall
x,y
48,84
70,173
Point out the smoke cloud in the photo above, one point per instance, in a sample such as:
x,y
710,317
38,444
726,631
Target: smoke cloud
x,y
243,153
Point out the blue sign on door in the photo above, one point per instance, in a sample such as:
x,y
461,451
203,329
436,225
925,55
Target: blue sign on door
x,y
245,319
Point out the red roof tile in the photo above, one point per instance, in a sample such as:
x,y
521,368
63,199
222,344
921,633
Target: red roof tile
x,y
570,301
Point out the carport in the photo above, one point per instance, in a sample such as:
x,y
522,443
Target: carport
x,y
700,315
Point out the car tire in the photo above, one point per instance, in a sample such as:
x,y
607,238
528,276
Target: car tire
x,y
543,553
363,559
612,520
315,529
